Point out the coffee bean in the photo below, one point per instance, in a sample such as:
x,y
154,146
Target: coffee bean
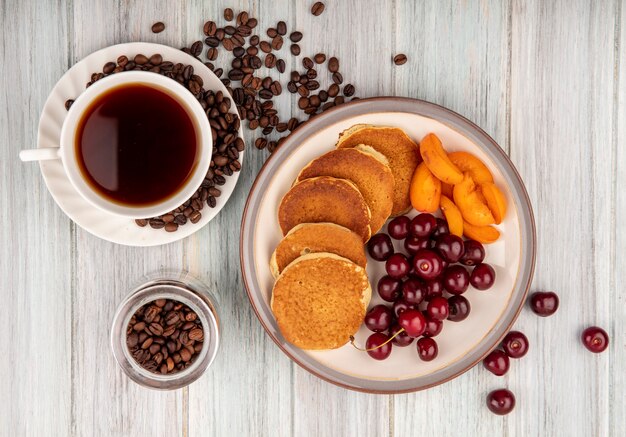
x,y
209,28
265,46
348,90
230,30
333,90
196,48
295,49
235,74
317,8
212,41
158,27
337,78
239,52
242,18
108,67
228,14
400,59
277,42
270,60
303,102
319,58
211,54
333,65
260,143
281,28
244,30
140,59
280,66
295,36
171,227
271,32
307,63
292,87
156,223
141,222
228,44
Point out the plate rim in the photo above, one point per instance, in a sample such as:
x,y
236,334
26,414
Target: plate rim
x,y
161,238
430,110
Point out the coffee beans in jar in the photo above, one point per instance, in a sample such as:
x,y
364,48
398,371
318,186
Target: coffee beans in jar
x,y
164,336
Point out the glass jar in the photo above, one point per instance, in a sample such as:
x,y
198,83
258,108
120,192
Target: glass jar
x,y
181,287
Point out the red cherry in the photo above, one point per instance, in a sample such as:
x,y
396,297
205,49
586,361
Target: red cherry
x,y
374,342
497,362
427,264
459,308
398,228
413,322
389,288
378,318
422,225
412,244
414,291
400,306
380,247
501,401
595,339
433,327
402,339
483,276
473,254
427,349
450,247
456,280
515,344
434,287
438,308
397,266
441,229
544,303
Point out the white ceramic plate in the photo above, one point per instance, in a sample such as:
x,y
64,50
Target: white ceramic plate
x,y
461,345
102,224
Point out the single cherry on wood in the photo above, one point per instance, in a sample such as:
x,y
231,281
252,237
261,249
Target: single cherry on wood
x,y
595,339
544,303
497,362
501,401
515,344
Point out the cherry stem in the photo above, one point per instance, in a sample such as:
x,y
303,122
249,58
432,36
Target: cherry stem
x,y
379,346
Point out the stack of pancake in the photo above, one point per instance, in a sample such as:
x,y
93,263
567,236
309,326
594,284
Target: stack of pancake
x,y
337,202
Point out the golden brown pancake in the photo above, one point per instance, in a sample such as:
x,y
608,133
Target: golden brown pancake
x,y
398,148
325,199
320,300
314,238
373,179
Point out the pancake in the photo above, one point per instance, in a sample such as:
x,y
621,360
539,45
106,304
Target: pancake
x,y
314,238
325,199
398,148
320,300
372,177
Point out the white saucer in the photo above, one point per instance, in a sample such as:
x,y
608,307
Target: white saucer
x,y
99,223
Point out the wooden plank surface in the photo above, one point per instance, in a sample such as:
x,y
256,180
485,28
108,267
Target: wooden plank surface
x,y
546,79
36,236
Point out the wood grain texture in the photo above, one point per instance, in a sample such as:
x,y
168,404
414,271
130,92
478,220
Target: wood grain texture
x,y
35,238
547,80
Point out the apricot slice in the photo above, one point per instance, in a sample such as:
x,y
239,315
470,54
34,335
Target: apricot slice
x,y
446,189
466,162
495,200
482,234
437,160
453,216
469,202
425,190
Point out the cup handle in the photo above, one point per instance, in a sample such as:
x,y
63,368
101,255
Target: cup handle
x,y
42,154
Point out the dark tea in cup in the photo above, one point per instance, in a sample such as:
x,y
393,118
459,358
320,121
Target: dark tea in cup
x,y
136,145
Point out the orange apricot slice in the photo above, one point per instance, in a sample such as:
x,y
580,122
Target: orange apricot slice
x,y
425,190
446,189
495,200
437,160
453,216
472,208
466,162
482,234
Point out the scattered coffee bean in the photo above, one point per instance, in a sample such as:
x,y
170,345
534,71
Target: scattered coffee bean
x,y
317,8
280,66
400,59
319,58
295,36
281,28
333,65
337,78
295,49
158,27
348,90
228,14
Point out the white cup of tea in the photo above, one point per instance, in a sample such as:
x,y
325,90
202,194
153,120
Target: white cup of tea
x,y
141,165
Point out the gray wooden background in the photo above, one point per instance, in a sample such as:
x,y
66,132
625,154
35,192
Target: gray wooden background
x,y
547,79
